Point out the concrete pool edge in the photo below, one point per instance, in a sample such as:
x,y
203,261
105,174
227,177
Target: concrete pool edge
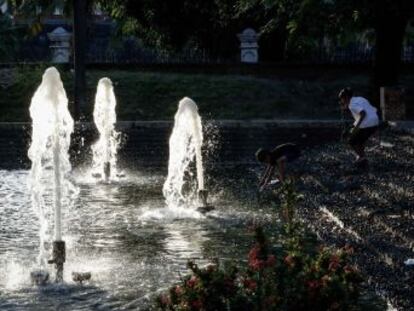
x,y
146,142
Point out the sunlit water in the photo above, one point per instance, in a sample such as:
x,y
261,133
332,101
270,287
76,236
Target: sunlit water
x,y
124,235
105,149
51,190
186,140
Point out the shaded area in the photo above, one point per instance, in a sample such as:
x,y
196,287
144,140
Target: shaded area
x,y
372,211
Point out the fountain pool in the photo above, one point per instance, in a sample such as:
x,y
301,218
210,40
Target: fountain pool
x,y
134,246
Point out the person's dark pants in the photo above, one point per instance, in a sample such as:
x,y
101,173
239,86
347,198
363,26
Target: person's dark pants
x,y
361,136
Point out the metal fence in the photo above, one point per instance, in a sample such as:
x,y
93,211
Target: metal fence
x,y
100,50
352,54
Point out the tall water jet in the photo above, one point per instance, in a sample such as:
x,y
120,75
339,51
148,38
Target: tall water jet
x,y
105,149
52,126
185,144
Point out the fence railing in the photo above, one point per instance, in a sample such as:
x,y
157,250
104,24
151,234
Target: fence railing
x,y
102,52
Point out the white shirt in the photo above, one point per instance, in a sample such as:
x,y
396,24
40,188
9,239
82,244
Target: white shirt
x,y
358,104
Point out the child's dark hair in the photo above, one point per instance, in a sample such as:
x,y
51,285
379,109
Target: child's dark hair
x,y
261,154
345,93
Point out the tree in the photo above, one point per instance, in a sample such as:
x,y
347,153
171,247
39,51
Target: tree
x,y
389,19
176,25
33,10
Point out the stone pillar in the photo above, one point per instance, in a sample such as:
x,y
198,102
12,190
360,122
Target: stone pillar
x,y
392,103
249,48
60,45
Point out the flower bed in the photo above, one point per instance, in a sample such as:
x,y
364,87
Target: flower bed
x,y
293,272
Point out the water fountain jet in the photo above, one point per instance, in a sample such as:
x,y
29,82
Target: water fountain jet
x,y
105,149
52,127
185,143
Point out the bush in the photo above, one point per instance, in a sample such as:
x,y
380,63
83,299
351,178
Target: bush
x,y
300,275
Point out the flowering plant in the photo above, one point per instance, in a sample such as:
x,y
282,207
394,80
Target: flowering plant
x,y
301,275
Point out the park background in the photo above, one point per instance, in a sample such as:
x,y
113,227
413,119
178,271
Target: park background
x,y
157,51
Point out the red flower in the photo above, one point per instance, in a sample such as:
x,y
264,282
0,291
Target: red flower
x,y
334,264
271,261
257,264
254,261
348,269
254,252
314,284
250,284
197,304
192,282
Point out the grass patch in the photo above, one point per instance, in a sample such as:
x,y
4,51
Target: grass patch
x,y
154,95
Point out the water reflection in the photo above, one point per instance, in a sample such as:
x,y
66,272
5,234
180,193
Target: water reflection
x,y
122,233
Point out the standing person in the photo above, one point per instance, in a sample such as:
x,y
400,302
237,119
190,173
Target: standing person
x,y
365,125
276,157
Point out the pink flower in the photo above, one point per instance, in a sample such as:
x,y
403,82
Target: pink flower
x,y
178,290
165,300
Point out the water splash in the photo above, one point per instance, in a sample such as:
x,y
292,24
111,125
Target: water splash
x,y
106,148
185,144
52,126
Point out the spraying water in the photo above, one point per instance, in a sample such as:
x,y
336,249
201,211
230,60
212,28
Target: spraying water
x,y
106,148
185,145
52,126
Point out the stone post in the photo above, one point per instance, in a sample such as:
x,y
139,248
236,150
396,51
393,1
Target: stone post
x,y
249,48
392,103
60,45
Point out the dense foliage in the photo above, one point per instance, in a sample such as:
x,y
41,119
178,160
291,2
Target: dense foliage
x,y
10,38
289,28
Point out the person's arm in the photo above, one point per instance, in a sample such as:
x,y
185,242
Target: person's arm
x,y
266,177
362,115
357,109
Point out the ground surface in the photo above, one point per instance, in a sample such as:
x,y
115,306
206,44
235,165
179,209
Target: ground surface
x,y
154,95
373,211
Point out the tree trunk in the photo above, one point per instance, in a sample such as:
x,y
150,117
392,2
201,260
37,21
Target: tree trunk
x,y
79,30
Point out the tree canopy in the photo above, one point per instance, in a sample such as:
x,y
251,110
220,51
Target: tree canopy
x,y
288,28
